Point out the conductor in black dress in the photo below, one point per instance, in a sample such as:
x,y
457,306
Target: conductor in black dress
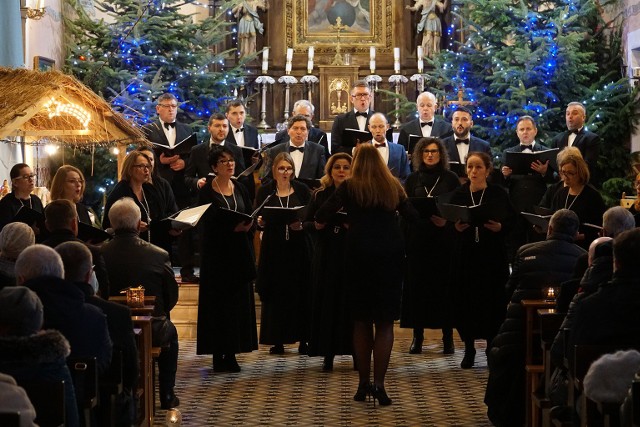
x,y
166,130
577,136
426,124
358,118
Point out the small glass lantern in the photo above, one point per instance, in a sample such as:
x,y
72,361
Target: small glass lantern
x,y
551,294
135,297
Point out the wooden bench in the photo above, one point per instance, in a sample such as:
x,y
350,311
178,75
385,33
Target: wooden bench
x,y
142,330
110,386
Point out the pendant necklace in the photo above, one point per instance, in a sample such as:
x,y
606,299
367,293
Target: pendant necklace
x,y
474,204
145,207
434,186
573,201
22,202
233,193
286,227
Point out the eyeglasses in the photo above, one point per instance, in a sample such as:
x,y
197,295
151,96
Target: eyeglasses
x,y
26,177
226,161
169,106
146,167
75,181
568,173
360,95
285,170
431,151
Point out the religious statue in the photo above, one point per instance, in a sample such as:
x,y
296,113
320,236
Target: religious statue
x,y
249,24
430,25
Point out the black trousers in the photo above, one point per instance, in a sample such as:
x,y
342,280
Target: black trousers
x,y
165,335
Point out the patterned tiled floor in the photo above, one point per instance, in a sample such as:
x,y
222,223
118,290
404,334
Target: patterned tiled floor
x,y
427,390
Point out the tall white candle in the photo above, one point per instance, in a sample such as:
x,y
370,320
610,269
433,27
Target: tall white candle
x,y
396,54
289,54
310,66
265,60
288,68
311,51
372,53
420,52
372,66
420,61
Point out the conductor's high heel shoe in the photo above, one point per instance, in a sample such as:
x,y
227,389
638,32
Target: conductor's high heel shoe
x,y
416,345
469,359
380,394
363,390
277,349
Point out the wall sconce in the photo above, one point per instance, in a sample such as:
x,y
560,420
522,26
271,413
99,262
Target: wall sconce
x,y
35,13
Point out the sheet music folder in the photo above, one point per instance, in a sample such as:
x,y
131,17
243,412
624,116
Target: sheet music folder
x,y
426,206
474,215
29,216
277,215
89,233
413,141
180,148
352,137
541,221
520,163
186,218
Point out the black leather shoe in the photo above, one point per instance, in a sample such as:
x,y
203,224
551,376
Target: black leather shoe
x,y
231,364
416,346
468,360
447,346
169,401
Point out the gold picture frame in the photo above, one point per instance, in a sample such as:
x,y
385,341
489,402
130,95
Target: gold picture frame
x,y
41,63
370,25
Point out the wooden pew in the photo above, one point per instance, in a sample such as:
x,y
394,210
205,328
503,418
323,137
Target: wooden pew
x,y
110,386
142,325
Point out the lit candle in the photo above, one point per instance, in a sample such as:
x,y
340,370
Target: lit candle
x,y
420,61
39,4
265,60
311,53
289,55
372,54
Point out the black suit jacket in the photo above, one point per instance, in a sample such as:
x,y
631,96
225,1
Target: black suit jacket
x,y
525,191
342,122
155,133
315,135
440,129
312,163
475,144
589,145
198,164
132,261
250,136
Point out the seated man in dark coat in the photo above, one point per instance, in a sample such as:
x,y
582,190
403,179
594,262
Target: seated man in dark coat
x,y
28,353
132,261
537,265
40,269
61,219
77,261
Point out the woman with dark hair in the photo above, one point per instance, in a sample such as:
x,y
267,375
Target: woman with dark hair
x,y
426,298
283,269
68,183
226,307
330,333
23,181
374,243
137,182
579,196
479,299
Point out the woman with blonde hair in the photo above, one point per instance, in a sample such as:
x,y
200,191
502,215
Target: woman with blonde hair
x,y
330,333
375,267
69,183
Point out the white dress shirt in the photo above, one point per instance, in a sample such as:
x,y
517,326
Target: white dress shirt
x,y
169,133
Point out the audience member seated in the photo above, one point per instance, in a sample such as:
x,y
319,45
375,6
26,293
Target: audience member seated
x,y
28,353
14,399
77,261
40,269
61,219
609,378
14,237
537,265
132,261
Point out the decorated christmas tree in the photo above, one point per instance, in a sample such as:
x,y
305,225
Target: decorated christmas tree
x,y
532,58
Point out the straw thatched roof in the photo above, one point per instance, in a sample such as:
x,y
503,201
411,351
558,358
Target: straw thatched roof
x,y
57,107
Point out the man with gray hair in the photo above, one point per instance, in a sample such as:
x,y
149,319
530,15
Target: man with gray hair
x,y
305,108
40,268
14,238
131,261
615,220
537,265
427,124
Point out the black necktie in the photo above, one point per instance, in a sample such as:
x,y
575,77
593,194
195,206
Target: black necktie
x,y
300,149
239,130
423,124
462,141
169,125
361,114
525,147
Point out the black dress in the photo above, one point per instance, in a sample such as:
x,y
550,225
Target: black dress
x,y
226,307
283,272
426,298
331,327
589,207
10,204
375,249
159,204
479,269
